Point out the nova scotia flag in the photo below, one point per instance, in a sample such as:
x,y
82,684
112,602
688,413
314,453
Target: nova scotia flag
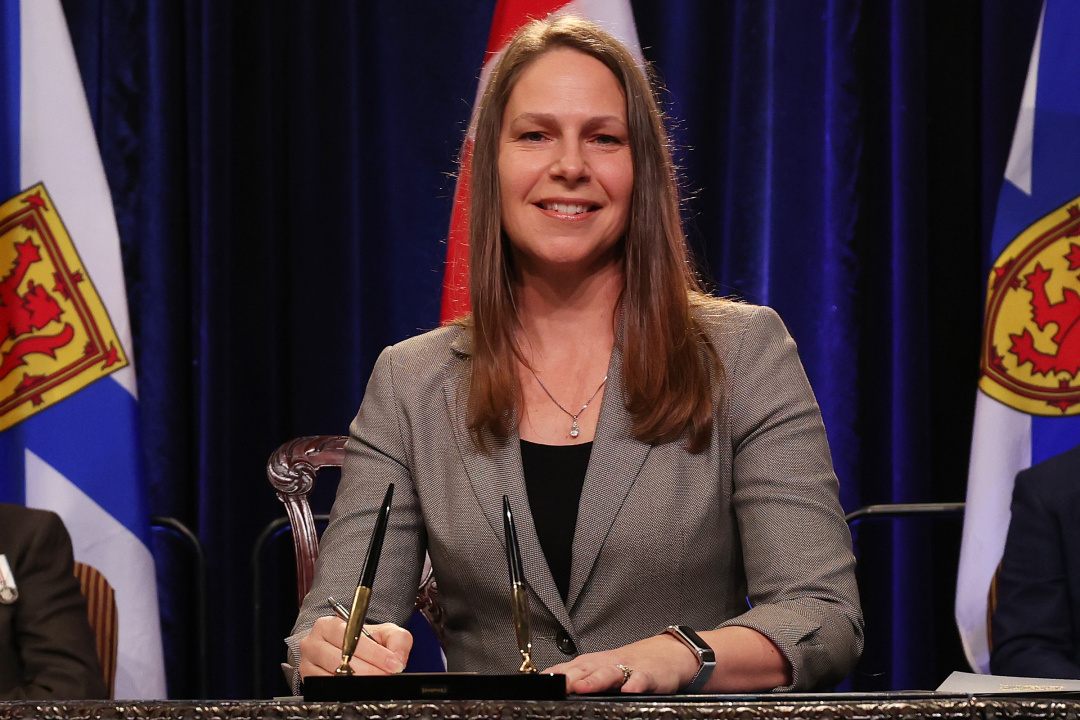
x,y
68,404
1028,405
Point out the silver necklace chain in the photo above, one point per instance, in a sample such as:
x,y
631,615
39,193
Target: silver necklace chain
x,y
574,429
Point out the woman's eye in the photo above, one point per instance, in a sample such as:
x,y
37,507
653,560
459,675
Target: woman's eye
x,y
532,136
608,140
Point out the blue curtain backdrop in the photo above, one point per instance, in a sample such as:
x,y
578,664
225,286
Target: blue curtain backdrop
x,y
282,175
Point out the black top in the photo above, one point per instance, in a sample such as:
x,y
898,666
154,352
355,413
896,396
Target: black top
x,y
554,476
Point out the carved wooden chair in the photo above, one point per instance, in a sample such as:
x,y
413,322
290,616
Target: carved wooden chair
x,y
101,612
292,470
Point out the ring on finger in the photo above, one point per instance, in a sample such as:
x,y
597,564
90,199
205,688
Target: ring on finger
x,y
626,672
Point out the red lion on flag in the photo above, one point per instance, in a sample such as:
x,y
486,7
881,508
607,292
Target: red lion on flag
x,y
22,315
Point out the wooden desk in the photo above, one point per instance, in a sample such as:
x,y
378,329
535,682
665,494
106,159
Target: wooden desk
x,y
792,707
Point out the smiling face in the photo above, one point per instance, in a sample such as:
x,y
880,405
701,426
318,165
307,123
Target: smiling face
x,y
565,169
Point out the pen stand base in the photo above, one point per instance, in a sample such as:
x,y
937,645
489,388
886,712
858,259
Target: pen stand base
x,y
435,686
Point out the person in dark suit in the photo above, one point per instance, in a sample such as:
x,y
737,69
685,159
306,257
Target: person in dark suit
x,y
1036,626
46,645
662,449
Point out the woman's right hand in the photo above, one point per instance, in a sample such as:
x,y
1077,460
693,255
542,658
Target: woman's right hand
x,y
385,652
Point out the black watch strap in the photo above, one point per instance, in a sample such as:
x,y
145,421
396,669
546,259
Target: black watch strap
x,y
706,656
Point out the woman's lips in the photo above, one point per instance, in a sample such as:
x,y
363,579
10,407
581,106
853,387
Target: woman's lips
x,y
567,209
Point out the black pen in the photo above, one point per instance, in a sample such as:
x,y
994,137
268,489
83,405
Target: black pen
x,y
355,624
518,594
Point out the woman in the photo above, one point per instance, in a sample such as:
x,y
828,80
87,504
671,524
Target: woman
x,y
663,449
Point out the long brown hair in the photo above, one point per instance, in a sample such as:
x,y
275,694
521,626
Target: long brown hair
x,y
667,359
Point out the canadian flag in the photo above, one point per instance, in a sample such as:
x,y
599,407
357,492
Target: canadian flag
x,y
615,16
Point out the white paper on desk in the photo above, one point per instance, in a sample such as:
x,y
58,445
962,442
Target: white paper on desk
x,y
972,684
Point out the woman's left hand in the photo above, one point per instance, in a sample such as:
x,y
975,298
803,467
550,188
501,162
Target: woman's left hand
x,y
659,664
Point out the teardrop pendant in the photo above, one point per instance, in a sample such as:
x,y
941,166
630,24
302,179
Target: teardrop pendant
x,y
574,429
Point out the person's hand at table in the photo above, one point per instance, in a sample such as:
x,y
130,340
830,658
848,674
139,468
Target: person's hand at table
x,y
654,665
746,661
381,650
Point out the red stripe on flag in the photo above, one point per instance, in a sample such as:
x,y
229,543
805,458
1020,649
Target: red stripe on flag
x,y
509,16
455,297
512,14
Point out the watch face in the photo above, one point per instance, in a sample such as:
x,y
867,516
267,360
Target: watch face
x,y
705,654
692,640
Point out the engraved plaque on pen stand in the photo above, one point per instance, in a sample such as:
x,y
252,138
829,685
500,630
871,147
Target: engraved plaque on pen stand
x,y
526,684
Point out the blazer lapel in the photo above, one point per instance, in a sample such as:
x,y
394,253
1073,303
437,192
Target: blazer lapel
x,y
494,474
616,459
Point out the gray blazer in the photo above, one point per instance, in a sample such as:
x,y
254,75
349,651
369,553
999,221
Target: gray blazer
x,y
748,532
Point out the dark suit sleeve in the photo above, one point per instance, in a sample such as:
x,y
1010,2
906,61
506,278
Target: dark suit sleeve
x,y
55,641
1033,633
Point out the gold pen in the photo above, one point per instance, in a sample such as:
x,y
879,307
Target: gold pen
x,y
355,624
519,595
342,612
